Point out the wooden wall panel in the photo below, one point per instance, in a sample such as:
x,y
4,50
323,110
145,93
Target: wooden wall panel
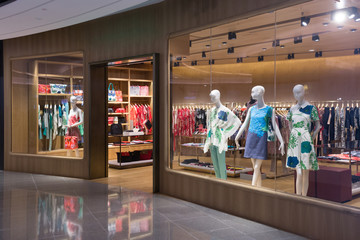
x,y
146,31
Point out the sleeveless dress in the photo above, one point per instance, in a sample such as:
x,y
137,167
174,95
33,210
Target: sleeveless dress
x,y
73,133
301,148
256,140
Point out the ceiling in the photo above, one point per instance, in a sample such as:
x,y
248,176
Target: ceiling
x,y
255,35
26,17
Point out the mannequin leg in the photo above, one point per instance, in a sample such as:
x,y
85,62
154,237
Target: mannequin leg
x,y
256,180
214,160
218,162
305,182
299,180
222,165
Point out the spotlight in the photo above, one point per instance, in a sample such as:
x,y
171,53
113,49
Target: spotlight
x,y
231,35
356,51
264,49
291,56
315,37
318,54
353,30
230,50
304,21
282,46
207,46
224,43
179,58
260,58
184,58
352,12
276,43
239,60
203,55
190,43
176,64
311,50
357,18
339,16
193,63
325,24
340,27
211,62
297,39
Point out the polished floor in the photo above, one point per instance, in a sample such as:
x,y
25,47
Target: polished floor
x,y
47,207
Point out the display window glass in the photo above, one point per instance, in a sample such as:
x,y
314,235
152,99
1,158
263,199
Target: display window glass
x,y
47,105
278,104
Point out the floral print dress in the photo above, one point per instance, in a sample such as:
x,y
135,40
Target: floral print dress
x,y
301,148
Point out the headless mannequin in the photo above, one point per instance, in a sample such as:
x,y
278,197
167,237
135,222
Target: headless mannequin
x,y
74,111
302,175
257,93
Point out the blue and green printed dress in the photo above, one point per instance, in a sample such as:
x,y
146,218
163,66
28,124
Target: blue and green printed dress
x,y
256,140
301,148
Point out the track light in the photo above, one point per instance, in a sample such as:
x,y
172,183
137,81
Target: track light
x,y
193,63
260,58
239,60
212,62
357,51
230,50
353,30
176,64
297,39
339,16
276,43
190,43
291,56
203,55
318,54
352,12
231,35
224,43
315,37
179,58
304,21
357,18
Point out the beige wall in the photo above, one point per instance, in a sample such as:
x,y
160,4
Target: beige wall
x,y
146,31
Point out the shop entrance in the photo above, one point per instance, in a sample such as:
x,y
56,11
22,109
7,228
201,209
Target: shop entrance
x,y
131,146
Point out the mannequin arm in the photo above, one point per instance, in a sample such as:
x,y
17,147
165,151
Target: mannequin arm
x,y
278,134
242,128
316,130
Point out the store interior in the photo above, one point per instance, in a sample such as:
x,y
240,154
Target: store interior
x,y
313,44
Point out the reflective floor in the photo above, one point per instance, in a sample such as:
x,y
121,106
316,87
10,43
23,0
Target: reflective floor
x,y
46,207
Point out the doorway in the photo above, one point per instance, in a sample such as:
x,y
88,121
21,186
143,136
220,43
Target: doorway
x,y
131,122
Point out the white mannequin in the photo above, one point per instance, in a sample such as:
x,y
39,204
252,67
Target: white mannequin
x,y
257,93
302,176
74,111
215,98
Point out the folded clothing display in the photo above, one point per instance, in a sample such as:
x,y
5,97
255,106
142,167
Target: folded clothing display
x,y
197,163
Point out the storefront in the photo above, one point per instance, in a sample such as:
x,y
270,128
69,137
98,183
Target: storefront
x,y
203,46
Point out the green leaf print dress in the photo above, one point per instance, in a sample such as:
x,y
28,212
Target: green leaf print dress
x,y
301,148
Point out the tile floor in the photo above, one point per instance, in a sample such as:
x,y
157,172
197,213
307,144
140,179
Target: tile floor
x,y
46,207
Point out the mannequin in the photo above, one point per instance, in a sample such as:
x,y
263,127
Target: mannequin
x,y
301,154
258,118
221,125
73,131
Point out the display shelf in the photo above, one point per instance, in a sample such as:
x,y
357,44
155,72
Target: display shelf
x,y
140,80
121,124
134,96
115,164
230,173
118,79
55,94
115,114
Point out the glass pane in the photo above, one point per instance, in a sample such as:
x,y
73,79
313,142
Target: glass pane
x,y
47,112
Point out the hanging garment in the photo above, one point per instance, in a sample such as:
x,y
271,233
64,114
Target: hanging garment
x,y
256,140
39,122
55,123
222,124
301,151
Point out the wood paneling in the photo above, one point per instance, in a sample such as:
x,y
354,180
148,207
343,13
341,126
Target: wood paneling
x,y
146,31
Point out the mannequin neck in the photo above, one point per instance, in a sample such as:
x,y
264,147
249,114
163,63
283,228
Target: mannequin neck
x,y
218,104
260,102
301,102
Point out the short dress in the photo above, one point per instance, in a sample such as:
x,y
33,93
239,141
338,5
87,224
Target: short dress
x,y
256,140
301,150
73,135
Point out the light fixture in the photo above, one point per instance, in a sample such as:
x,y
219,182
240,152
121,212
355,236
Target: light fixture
x,y
353,30
304,21
357,18
282,46
264,49
224,43
176,64
325,24
291,56
231,35
207,46
203,55
260,58
178,58
340,27
311,50
276,43
356,51
230,50
352,12
193,63
190,43
318,54
297,39
212,62
184,57
315,37
239,60
339,16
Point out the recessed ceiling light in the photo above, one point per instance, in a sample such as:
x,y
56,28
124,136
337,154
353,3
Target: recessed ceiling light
x,y
264,49
353,30
325,24
339,16
311,50
224,43
282,46
340,27
207,46
184,57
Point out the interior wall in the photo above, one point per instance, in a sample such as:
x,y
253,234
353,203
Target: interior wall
x,y
325,79
146,31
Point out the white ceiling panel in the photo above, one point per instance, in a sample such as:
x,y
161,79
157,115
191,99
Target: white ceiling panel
x,y
25,17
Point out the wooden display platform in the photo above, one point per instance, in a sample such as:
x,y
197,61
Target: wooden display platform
x,y
229,173
141,163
